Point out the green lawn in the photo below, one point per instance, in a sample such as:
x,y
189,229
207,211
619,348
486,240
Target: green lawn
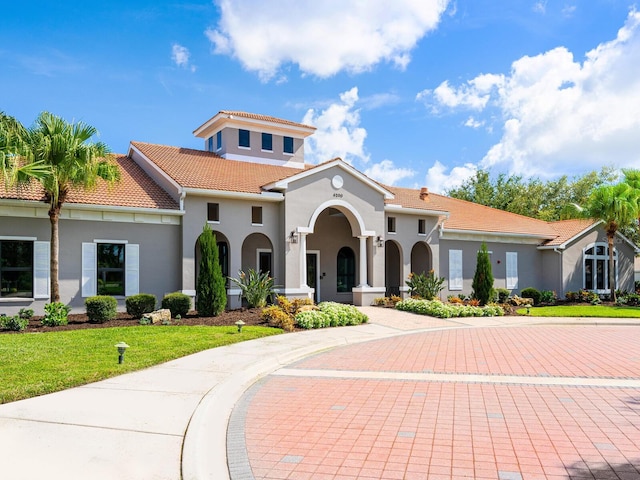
x,y
604,311
38,363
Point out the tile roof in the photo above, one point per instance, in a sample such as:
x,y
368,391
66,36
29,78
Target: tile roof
x,y
265,118
470,216
208,171
567,229
135,189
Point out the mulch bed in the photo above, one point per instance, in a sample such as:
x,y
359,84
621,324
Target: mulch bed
x,y
250,316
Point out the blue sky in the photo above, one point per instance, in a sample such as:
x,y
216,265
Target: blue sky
x,y
412,92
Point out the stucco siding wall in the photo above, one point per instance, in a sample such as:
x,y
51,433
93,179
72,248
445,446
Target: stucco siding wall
x,y
313,194
235,224
529,264
230,146
159,265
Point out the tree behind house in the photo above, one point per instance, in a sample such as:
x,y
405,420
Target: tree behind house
x,y
483,278
211,292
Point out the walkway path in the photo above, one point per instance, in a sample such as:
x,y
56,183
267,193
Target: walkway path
x,y
402,397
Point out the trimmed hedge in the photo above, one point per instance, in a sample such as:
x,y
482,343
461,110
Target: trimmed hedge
x,y
101,308
138,305
179,303
532,293
435,308
330,314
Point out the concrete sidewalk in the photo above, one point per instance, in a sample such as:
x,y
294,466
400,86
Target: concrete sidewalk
x,y
170,421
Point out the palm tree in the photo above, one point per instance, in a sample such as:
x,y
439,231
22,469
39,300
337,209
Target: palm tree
x,y
618,206
60,156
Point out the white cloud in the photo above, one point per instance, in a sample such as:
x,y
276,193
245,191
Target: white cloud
x,y
438,180
473,123
474,95
386,172
322,38
338,131
540,6
560,115
180,56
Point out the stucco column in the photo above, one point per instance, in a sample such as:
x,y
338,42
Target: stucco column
x,y
363,262
303,260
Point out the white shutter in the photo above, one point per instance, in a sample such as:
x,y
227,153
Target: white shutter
x,y
455,269
132,269
89,269
512,270
41,269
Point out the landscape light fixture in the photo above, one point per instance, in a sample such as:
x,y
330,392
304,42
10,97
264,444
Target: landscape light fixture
x,y
121,346
239,323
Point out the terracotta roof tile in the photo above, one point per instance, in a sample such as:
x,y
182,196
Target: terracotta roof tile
x,y
265,118
470,216
205,170
567,229
135,189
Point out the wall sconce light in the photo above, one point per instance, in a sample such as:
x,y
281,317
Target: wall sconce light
x,y
293,237
121,346
380,241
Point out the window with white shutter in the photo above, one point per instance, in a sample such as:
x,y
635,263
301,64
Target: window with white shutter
x,y
512,270
455,269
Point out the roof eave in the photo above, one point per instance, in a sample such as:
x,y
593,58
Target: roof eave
x,y
263,196
415,211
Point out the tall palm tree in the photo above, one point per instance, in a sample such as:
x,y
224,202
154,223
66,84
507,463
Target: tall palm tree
x,y
618,206
60,156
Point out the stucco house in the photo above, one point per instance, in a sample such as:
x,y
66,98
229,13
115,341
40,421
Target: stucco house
x,y
324,231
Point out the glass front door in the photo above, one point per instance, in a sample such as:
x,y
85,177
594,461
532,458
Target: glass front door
x,y
312,275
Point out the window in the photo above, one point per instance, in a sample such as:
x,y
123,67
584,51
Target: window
x,y
288,145
210,144
596,267
213,212
422,226
391,224
346,269
455,269
256,215
16,269
512,270
219,140
244,138
110,267
267,142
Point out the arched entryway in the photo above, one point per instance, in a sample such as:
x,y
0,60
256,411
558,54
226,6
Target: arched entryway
x,y
332,257
421,261
223,255
257,254
393,268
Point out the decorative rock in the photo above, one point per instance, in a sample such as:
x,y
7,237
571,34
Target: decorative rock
x,y
159,316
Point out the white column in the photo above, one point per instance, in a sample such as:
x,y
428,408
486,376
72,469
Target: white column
x,y
363,262
303,260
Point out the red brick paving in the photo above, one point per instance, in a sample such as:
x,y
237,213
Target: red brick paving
x,y
351,428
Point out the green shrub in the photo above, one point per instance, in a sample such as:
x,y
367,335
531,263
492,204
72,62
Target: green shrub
x,y
548,296
101,308
138,305
426,286
531,293
211,290
483,277
330,314
255,287
55,313
26,313
435,308
502,294
179,303
15,323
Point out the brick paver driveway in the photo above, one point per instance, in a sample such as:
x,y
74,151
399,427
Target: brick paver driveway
x,y
495,402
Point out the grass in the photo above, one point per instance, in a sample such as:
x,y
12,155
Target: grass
x,y
39,363
603,311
